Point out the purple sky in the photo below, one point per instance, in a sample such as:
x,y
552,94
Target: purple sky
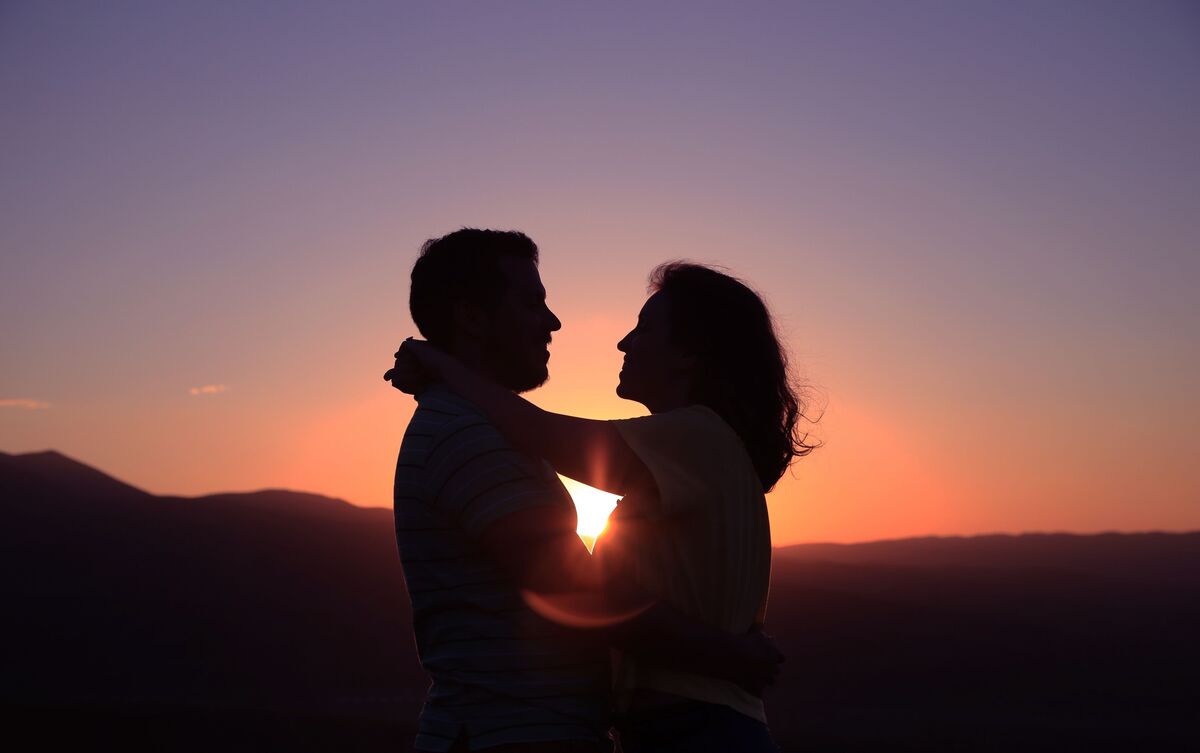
x,y
978,223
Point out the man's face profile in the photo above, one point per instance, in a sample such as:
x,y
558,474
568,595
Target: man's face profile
x,y
520,328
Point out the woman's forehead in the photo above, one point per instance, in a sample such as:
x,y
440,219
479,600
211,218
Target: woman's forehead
x,y
655,307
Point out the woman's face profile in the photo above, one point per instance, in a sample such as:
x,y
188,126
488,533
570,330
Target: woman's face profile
x,y
654,372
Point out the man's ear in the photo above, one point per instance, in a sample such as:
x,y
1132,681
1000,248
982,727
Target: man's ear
x,y
470,319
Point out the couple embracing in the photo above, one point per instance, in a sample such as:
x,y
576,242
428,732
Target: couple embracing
x,y
532,643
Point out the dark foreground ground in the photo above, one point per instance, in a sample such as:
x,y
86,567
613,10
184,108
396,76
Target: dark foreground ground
x,y
278,621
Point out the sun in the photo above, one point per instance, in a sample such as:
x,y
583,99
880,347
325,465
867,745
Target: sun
x,y
593,507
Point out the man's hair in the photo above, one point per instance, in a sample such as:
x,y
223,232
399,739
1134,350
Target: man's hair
x,y
461,266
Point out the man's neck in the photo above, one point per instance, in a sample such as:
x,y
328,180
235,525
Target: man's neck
x,y
469,354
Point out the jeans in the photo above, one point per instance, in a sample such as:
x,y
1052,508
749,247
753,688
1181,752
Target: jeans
x,y
695,727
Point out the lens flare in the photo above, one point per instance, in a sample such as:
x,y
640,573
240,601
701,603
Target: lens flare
x,y
581,610
593,507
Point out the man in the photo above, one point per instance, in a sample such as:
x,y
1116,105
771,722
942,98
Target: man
x,y
477,523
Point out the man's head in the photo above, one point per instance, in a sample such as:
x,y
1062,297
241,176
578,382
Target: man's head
x,y
477,294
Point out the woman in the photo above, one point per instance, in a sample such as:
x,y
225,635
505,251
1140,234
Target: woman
x,y
692,526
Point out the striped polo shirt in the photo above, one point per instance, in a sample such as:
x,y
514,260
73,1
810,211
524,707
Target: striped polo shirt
x,y
501,674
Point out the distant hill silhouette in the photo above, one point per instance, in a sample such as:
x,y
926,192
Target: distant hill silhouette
x,y
52,476
1164,557
278,620
273,600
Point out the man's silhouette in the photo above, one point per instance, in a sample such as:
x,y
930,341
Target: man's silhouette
x,y
476,521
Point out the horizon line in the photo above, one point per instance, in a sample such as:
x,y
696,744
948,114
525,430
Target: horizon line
x,y
989,534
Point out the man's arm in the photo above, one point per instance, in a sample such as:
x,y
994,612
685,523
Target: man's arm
x,y
561,581
539,548
751,660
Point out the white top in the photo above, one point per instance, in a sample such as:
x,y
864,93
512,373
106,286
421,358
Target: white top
x,y
699,538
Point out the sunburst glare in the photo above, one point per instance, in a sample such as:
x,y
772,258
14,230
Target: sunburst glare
x,y
593,507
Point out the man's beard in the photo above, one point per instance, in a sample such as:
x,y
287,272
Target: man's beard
x,y
532,382
513,372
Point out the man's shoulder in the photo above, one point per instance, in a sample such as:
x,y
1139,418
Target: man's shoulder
x,y
441,406
440,411
445,424
466,468
437,400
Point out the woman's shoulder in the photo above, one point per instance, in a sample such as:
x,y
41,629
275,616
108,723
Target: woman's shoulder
x,y
702,414
694,417
713,441
724,451
709,424
694,437
693,428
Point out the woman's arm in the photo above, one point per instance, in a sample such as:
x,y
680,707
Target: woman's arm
x,y
584,449
634,622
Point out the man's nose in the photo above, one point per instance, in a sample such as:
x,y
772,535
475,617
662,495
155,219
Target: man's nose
x,y
555,324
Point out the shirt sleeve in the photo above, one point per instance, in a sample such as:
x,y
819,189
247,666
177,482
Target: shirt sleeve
x,y
681,449
477,477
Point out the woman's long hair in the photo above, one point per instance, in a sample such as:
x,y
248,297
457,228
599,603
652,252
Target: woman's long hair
x,y
742,370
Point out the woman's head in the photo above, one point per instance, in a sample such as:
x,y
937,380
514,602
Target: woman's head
x,y
706,338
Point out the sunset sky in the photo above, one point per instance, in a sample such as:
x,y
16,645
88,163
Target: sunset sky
x,y
977,222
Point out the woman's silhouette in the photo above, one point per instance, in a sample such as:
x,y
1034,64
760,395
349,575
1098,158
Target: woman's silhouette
x,y
691,528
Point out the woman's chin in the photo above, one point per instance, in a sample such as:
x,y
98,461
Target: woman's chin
x,y
623,391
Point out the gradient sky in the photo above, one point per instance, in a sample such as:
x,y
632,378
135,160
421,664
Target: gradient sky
x,y
977,222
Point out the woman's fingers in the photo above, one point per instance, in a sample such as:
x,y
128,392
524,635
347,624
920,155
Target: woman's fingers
x,y
407,375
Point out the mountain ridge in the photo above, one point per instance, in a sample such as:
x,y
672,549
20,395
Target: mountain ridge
x,y
252,617
45,463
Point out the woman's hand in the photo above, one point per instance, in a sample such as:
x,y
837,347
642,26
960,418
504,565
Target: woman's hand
x,y
417,364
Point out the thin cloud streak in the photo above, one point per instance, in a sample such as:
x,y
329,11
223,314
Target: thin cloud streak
x,y
208,389
24,404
